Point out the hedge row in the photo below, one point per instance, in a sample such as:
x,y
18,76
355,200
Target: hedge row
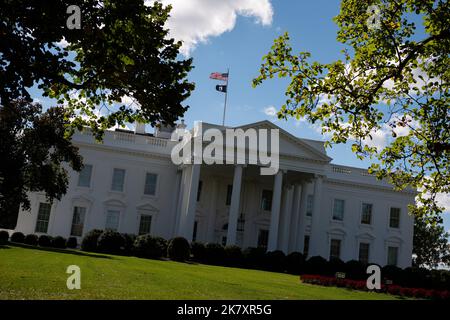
x,y
43,240
390,289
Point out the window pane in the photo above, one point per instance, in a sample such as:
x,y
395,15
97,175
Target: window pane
x,y
266,201
338,209
43,217
194,233
84,178
79,214
150,184
199,190
394,220
263,238
392,256
335,249
309,205
306,246
145,224
364,252
366,215
229,192
118,179
112,220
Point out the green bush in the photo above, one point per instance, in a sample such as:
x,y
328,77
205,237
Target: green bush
x,y
316,265
72,243
4,236
59,242
198,251
335,265
214,254
31,239
179,249
355,270
128,243
147,246
275,261
254,257
295,262
233,256
89,242
45,240
18,237
110,242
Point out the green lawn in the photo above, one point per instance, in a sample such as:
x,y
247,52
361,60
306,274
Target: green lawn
x,y
38,274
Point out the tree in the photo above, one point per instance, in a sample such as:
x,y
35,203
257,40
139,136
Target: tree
x,y
391,79
121,50
33,148
431,246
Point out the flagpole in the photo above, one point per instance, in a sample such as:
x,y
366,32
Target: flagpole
x,y
226,94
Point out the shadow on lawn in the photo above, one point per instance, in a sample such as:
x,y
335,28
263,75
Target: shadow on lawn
x,y
67,251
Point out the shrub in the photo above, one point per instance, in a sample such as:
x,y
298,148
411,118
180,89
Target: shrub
x,y
254,257
355,270
45,240
147,246
59,242
110,242
215,254
179,249
4,236
335,265
128,243
392,273
233,256
295,262
316,265
72,243
18,237
89,242
275,261
31,239
198,251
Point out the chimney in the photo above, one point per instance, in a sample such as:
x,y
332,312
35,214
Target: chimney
x,y
140,127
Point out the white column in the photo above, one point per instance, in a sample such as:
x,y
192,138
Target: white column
x,y
286,219
188,212
275,214
212,211
300,238
315,243
295,218
234,206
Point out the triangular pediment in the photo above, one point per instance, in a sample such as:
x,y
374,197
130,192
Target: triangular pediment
x,y
147,207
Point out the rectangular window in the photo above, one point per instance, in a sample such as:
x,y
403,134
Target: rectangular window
x,y
394,219
84,178
194,233
112,220
306,246
229,192
366,214
392,256
364,252
338,209
145,224
150,184
199,190
118,180
335,249
79,213
266,200
263,238
43,217
309,205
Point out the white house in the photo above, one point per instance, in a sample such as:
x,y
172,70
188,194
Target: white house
x,y
130,184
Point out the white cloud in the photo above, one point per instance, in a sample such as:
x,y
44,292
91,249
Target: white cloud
x,y
62,43
195,21
270,111
443,200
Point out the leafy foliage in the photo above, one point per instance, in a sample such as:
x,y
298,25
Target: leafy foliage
x,y
389,79
179,249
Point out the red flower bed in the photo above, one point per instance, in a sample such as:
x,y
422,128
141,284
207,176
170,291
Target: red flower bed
x,y
361,285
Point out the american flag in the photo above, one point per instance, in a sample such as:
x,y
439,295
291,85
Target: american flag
x,y
219,76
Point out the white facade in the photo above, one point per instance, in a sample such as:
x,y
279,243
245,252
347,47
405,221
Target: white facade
x,y
134,187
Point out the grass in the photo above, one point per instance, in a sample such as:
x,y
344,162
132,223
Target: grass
x,y
27,273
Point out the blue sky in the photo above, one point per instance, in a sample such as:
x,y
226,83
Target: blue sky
x,y
236,34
